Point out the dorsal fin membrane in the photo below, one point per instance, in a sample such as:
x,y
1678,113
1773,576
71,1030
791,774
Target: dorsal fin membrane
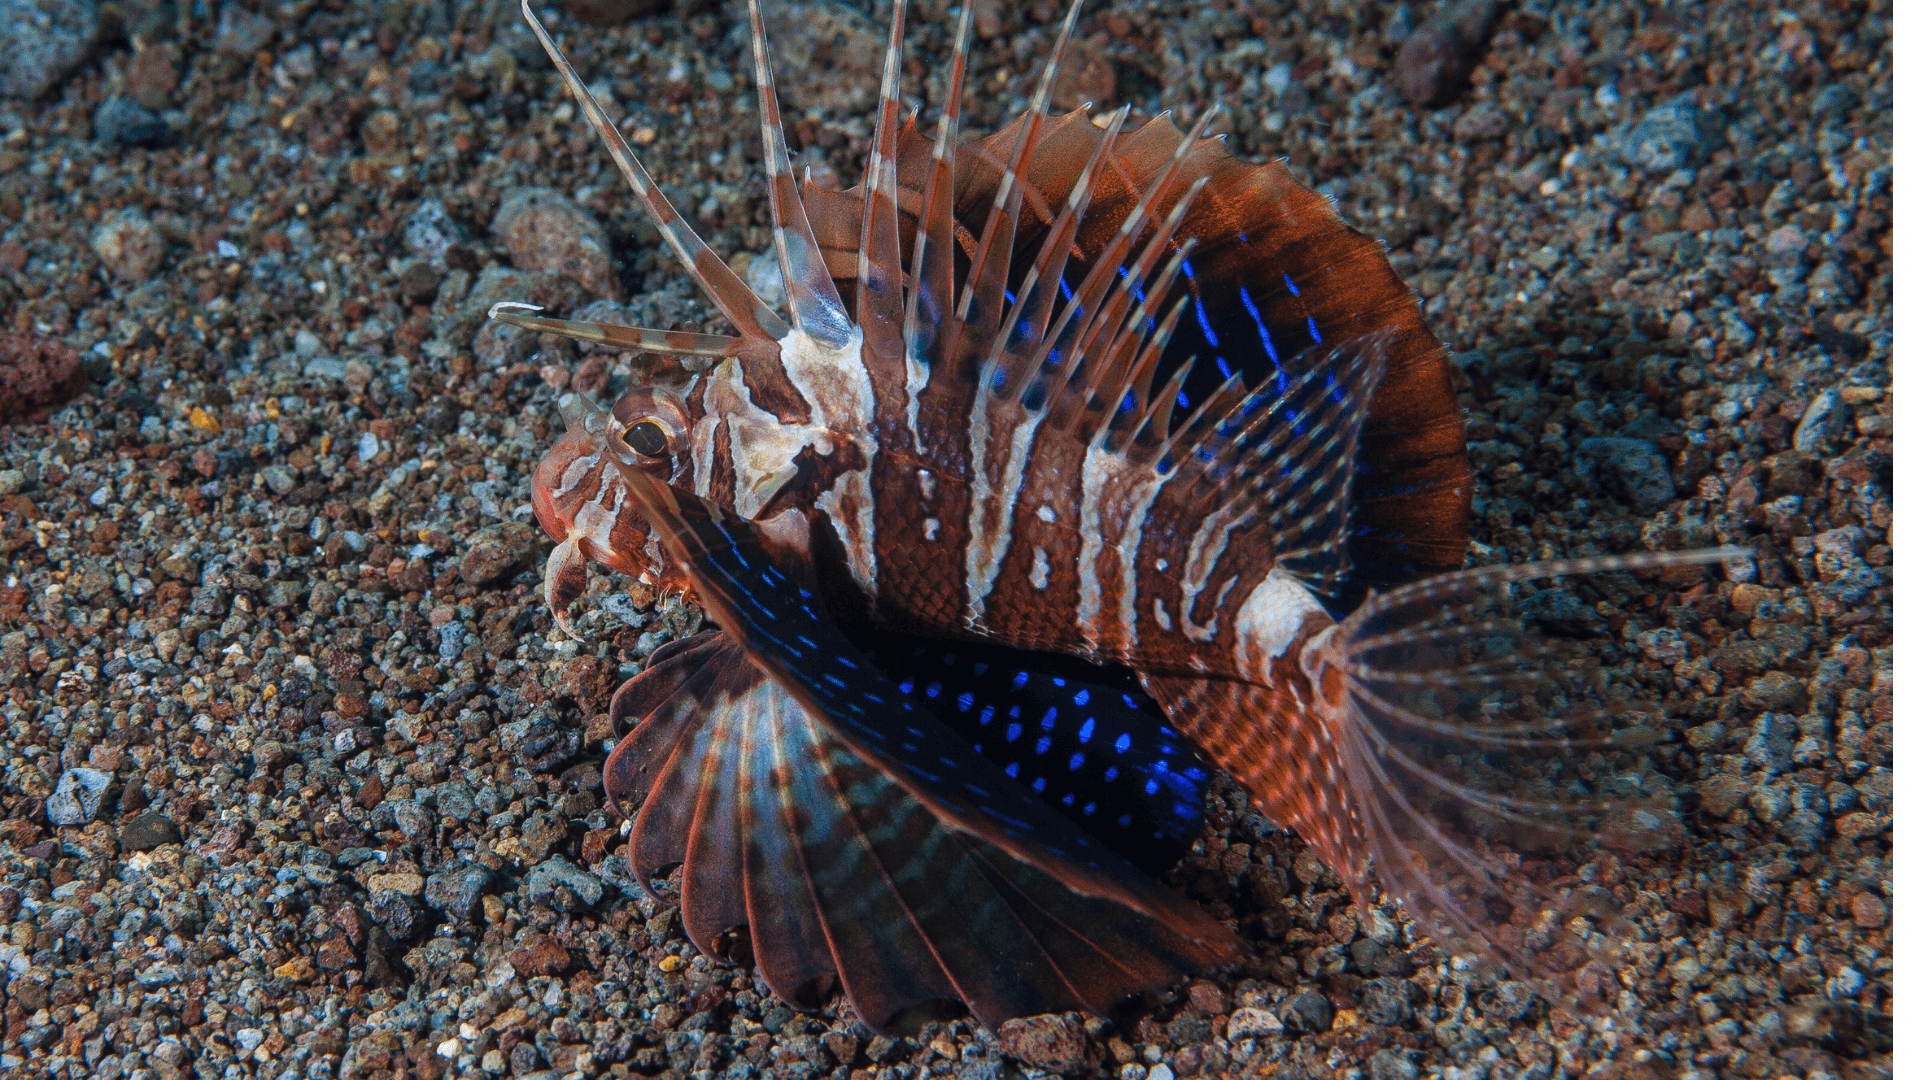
x,y
810,289
1273,268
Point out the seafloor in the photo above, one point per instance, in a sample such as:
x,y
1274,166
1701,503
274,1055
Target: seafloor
x,y
300,781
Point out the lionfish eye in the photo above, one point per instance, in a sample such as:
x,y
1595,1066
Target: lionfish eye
x,y
646,438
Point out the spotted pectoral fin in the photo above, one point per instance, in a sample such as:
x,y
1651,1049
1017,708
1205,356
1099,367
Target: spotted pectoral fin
x,y
840,873
904,837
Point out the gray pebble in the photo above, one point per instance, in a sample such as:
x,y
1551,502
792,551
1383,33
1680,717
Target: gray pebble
x,y
1388,1002
1673,135
412,819
1561,612
430,231
559,884
1804,830
1307,1011
456,800
540,743
1507,1002
122,121
45,39
242,32
1834,102
396,911
1832,284
76,798
1825,418
1770,745
149,831
458,888
280,479
1393,1064
1632,470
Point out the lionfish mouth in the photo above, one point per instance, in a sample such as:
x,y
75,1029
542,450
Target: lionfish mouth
x,y
1070,390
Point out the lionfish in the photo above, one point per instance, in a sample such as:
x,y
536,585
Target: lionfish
x,y
1087,461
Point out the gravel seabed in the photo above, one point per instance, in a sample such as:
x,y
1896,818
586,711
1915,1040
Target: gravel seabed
x,y
300,781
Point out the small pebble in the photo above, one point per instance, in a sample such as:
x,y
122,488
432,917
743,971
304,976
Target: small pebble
x,y
76,798
545,230
129,245
45,39
149,831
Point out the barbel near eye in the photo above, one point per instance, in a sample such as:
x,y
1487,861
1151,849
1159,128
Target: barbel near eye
x,y
648,429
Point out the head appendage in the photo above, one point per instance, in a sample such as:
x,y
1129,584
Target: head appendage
x,y
630,338
746,311
1490,757
811,295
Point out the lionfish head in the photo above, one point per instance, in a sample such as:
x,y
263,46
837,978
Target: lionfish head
x,y
583,503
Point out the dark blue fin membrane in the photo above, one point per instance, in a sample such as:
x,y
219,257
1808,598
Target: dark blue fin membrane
x,y
841,874
1288,447
1089,740
766,599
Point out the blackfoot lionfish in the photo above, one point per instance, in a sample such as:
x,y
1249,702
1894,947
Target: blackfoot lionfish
x,y
1089,460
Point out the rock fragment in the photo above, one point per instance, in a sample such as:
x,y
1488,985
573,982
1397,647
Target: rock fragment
x,y
1056,1042
1434,64
1631,470
122,121
148,831
45,39
562,886
36,374
129,244
1675,134
497,551
544,230
76,798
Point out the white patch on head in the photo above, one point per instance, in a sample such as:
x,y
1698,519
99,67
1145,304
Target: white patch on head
x,y
926,484
932,528
576,472
1045,514
1160,614
839,391
1039,575
839,395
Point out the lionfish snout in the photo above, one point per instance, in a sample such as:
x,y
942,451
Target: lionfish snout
x,y
584,504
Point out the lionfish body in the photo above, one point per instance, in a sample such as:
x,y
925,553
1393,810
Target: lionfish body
x,y
1108,409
